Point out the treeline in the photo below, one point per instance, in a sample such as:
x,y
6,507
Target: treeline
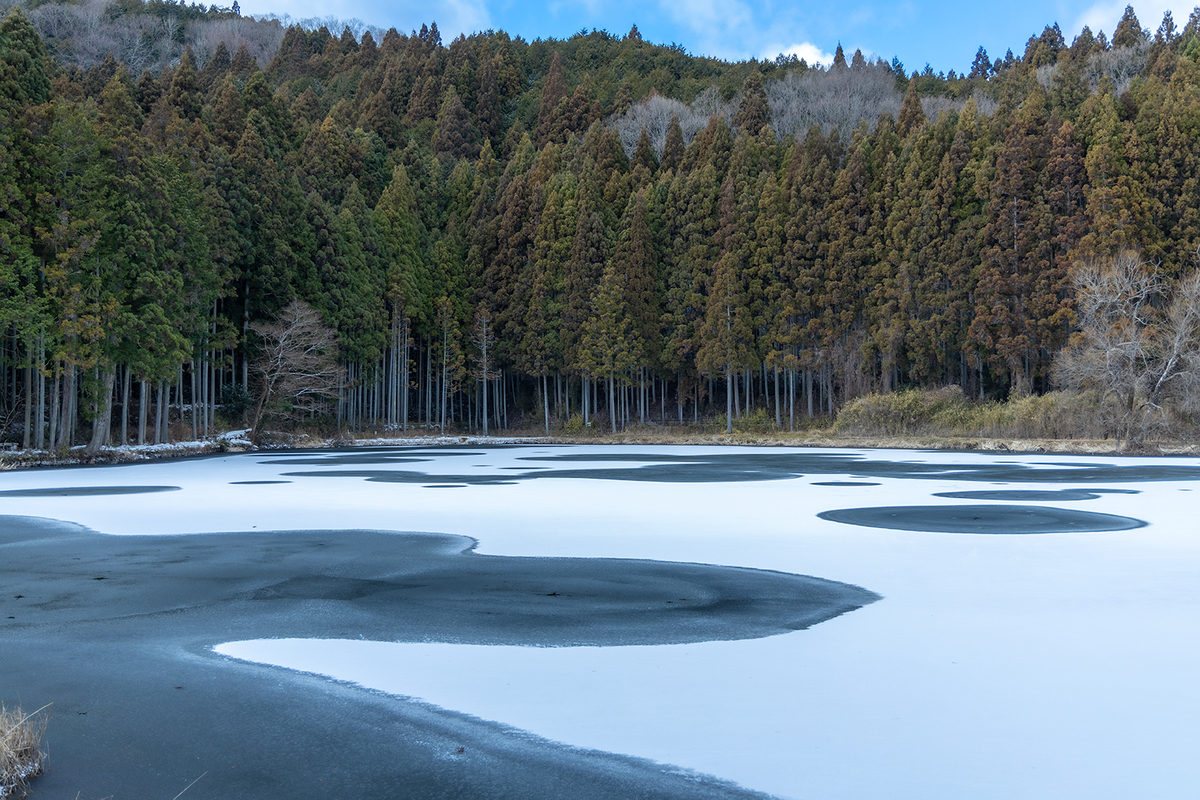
x,y
783,256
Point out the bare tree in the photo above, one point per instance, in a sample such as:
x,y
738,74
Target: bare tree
x,y
833,98
1120,65
1136,350
261,37
654,114
295,370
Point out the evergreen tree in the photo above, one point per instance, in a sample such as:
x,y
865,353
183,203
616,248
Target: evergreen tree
x,y
752,112
672,153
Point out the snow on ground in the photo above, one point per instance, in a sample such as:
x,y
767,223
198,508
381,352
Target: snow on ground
x,y
1058,665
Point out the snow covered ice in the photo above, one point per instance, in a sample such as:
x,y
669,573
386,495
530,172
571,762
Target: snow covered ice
x,y
995,666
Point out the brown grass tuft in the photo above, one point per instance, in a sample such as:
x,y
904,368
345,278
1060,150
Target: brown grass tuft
x,y
21,756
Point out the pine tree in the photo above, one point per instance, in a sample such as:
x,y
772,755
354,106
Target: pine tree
x,y
726,333
911,114
454,136
401,238
753,112
554,91
610,346
672,153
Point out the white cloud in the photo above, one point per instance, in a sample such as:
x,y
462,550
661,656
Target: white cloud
x,y
461,16
709,15
805,50
724,27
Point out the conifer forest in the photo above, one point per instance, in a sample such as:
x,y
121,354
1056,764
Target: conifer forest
x,y
497,233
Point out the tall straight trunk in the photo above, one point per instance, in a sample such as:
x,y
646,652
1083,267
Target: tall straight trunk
x,y
546,403
808,394
72,426
26,430
125,388
245,330
178,399
828,375
53,408
730,388
749,392
734,381
612,412
195,405
485,406
158,412
642,396
791,399
679,401
442,382
206,369
102,424
778,413
404,382
143,401
40,415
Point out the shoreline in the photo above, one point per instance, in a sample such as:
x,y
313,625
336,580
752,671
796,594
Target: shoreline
x,y
233,442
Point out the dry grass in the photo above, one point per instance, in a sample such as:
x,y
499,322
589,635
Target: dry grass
x,y
21,756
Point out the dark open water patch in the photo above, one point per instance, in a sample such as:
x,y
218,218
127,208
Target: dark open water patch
x,y
1030,495
444,486
127,659
731,467
982,519
86,491
361,456
843,483
255,483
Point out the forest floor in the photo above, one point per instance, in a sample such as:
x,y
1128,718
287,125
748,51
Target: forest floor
x,y
235,441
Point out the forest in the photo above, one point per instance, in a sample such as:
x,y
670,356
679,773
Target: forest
x,y
509,234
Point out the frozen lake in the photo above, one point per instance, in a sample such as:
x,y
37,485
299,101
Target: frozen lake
x,y
1034,634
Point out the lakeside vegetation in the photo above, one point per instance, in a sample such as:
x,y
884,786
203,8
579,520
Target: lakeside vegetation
x,y
598,232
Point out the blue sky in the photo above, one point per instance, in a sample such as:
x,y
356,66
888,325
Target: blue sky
x,y
945,34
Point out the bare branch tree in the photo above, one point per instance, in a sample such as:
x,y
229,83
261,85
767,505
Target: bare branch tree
x,y
1128,348
296,371
833,98
654,114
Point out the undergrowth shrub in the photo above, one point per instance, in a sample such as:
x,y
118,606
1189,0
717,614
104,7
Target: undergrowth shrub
x,y
909,412
21,756
946,412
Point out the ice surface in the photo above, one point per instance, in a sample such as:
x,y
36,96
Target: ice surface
x,y
1061,665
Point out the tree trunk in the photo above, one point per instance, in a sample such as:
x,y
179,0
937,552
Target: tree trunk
x,y
102,424
195,405
143,401
125,389
28,427
729,400
778,413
